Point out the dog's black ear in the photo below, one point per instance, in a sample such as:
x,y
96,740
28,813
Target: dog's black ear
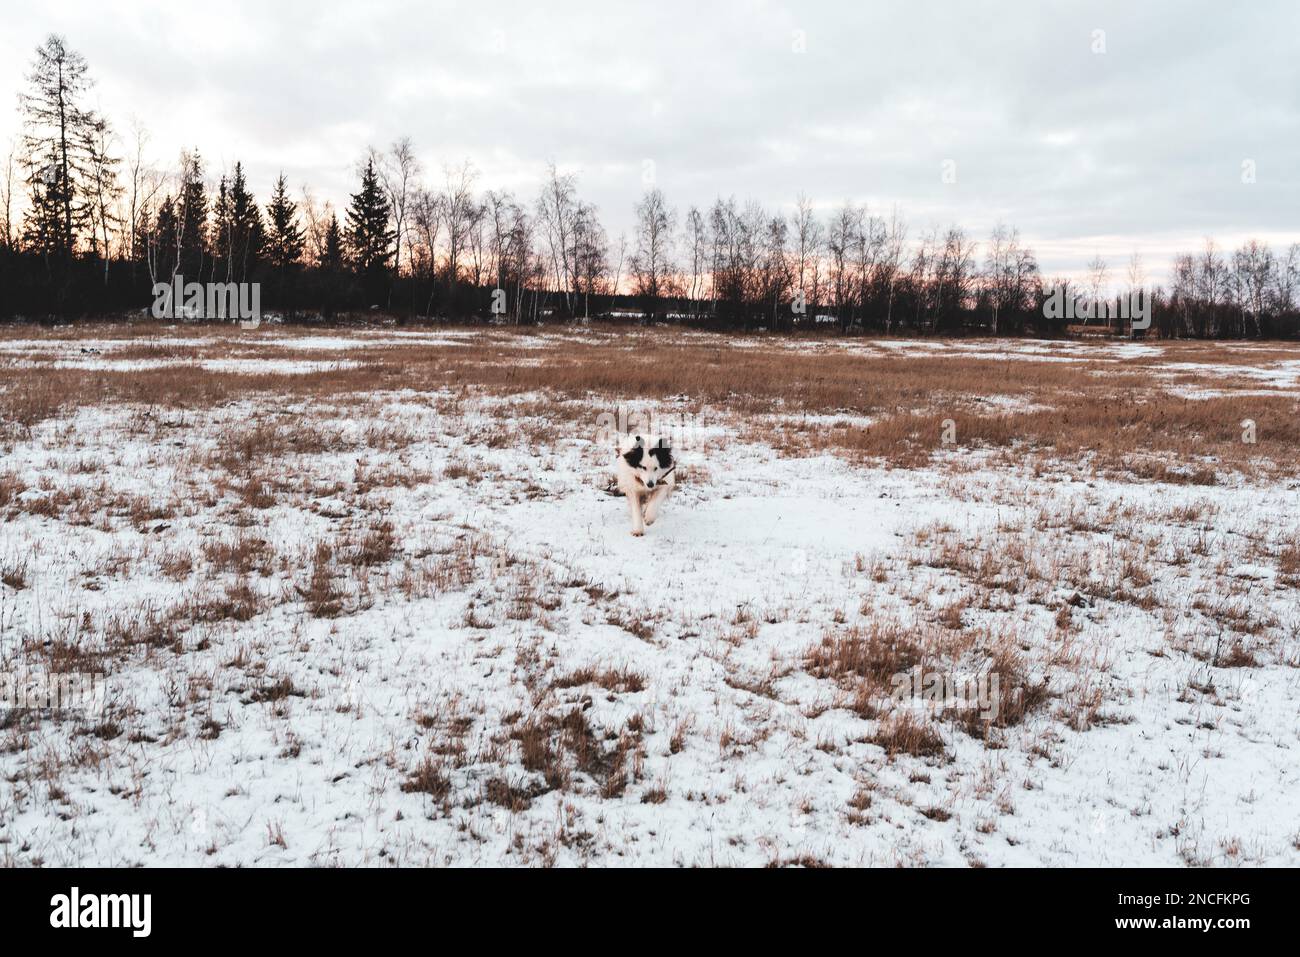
x,y
663,451
633,457
640,442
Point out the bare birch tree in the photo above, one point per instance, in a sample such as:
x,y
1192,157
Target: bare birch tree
x,y
8,235
102,187
891,263
459,211
556,211
145,182
808,242
652,263
399,173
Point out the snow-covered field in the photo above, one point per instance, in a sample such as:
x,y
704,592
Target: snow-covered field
x,y
362,598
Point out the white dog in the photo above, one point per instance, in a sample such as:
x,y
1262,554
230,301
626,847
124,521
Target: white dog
x,y
645,470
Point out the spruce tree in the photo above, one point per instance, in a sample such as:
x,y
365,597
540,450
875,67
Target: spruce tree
x,y
332,282
192,213
221,233
331,259
246,232
141,254
43,225
370,241
284,237
161,239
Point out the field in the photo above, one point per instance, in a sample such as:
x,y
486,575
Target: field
x,y
361,597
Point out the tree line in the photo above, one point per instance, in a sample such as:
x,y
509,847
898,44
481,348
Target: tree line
x,y
88,226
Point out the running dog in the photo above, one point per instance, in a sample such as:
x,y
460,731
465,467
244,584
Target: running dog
x,y
644,469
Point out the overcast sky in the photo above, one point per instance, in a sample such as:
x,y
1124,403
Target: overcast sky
x,y
1139,146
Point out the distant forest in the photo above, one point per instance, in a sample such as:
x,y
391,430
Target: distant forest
x,y
89,226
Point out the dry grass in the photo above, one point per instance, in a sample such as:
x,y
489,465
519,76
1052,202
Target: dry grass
x,y
13,571
1288,559
336,450
619,680
905,733
864,662
242,553
565,750
429,778
1117,415
322,595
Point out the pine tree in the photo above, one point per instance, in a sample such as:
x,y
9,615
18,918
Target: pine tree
x,y
236,229
192,213
222,228
162,239
284,237
370,241
331,259
43,225
246,232
58,133
142,254
332,283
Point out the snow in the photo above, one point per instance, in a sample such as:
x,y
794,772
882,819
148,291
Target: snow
x,y
243,366
753,560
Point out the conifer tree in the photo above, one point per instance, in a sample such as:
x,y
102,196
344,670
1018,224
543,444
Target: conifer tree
x,y
246,231
43,225
57,130
370,241
222,228
331,259
236,228
162,241
192,226
285,238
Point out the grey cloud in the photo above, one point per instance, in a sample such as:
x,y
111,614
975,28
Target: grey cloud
x,y
1142,144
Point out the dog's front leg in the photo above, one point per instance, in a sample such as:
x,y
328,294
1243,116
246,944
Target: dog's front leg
x,y
634,509
656,499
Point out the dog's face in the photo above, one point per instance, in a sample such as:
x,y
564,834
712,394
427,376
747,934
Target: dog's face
x,y
649,464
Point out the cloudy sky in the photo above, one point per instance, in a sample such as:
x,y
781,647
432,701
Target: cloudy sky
x,y
1093,127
